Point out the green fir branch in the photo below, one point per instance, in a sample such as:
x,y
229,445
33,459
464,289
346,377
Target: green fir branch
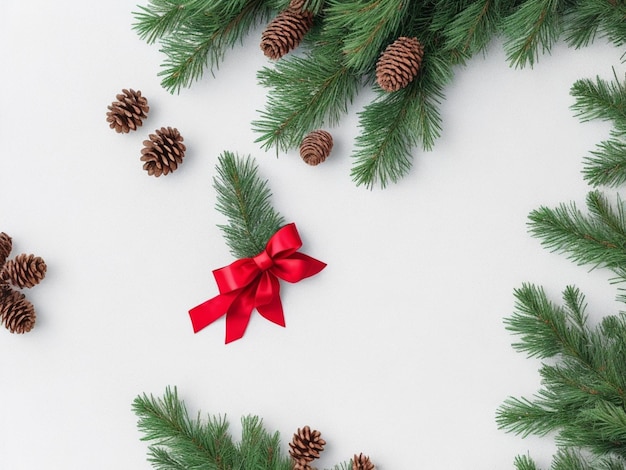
x,y
607,164
180,442
582,397
314,86
366,27
597,239
572,459
604,100
304,93
244,198
533,28
601,99
162,17
473,27
590,20
524,462
395,123
196,35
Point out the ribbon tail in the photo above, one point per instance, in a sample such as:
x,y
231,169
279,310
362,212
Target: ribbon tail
x,y
238,315
207,312
272,307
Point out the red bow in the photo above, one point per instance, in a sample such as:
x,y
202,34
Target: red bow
x,y
250,283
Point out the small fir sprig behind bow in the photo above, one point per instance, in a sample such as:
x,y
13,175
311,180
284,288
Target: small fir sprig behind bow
x,y
267,251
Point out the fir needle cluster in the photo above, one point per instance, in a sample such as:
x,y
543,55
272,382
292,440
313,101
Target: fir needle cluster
x,y
583,396
178,441
244,198
604,100
314,86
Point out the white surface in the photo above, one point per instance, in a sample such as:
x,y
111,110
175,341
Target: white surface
x,y
397,349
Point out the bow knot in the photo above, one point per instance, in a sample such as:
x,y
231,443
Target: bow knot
x,y
250,283
263,260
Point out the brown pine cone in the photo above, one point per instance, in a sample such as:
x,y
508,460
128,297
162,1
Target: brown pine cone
x,y
316,147
306,446
24,270
399,64
128,112
17,313
362,462
6,246
164,152
285,32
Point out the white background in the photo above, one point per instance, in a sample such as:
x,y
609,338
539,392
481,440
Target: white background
x,y
397,349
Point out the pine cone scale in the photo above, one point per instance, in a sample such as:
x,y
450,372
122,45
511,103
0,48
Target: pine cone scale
x,y
6,245
362,462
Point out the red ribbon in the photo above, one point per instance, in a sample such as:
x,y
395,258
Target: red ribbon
x,y
251,283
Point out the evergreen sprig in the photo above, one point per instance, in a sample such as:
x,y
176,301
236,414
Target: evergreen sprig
x,y
593,19
472,26
395,123
179,442
597,238
606,101
315,86
570,459
582,397
244,198
365,28
305,92
195,34
532,29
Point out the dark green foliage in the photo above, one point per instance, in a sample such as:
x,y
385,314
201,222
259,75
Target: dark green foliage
x,y
532,29
569,459
178,442
606,101
394,123
195,34
597,239
472,27
593,19
582,398
304,93
244,198
316,85
360,46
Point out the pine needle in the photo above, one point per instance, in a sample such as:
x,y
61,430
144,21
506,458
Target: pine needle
x,y
244,198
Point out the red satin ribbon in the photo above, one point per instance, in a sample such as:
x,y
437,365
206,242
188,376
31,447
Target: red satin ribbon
x,y
251,283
